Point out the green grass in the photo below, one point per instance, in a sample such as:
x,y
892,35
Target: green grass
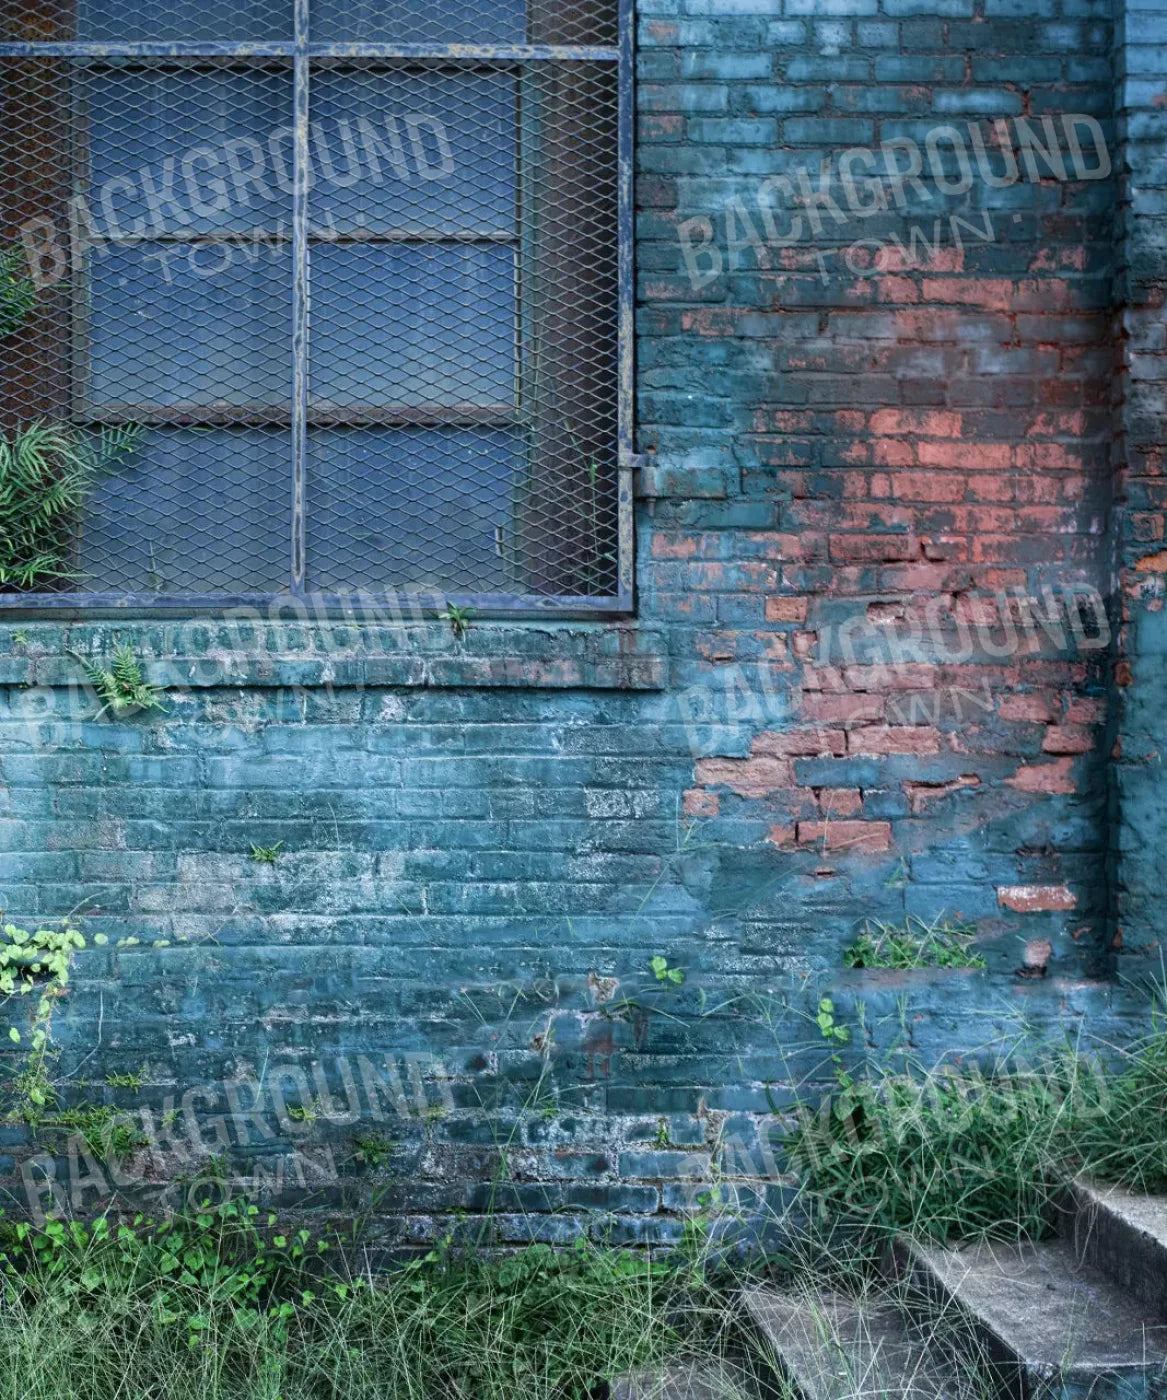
x,y
211,1306
225,1305
941,943
965,1152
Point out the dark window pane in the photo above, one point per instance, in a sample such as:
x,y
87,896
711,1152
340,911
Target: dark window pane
x,y
420,509
419,21
108,21
465,21
186,152
413,152
426,326
192,511
202,324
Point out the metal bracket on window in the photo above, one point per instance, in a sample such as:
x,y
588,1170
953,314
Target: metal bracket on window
x,y
633,466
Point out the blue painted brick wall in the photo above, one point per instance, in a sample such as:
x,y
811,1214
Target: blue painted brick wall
x,y
867,437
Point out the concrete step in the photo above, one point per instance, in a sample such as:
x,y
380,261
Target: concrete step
x,y
828,1346
1048,1322
706,1379
1123,1234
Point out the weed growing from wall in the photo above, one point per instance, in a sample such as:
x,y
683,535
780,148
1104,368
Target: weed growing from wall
x,y
915,943
120,686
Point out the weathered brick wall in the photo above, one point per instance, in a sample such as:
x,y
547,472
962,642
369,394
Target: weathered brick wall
x,y
877,445
911,418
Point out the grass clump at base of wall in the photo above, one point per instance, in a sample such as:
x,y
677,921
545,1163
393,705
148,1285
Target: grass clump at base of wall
x,y
960,1152
211,1306
220,1305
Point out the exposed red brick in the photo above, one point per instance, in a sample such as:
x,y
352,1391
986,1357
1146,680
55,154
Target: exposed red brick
x,y
800,743
786,609
917,422
840,802
842,709
1054,777
1067,738
1040,706
749,777
1037,952
991,293
891,452
919,795
880,739
891,258
966,456
1036,899
904,675
926,486
699,803
1085,709
903,290
846,835
877,548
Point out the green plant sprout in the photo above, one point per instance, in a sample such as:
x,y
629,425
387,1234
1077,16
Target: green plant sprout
x,y
828,1026
458,618
108,1134
664,973
47,471
373,1150
266,855
129,1080
121,688
36,960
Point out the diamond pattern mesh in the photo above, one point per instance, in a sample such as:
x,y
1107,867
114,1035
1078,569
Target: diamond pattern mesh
x,y
460,259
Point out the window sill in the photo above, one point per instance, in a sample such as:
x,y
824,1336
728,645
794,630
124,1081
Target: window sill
x,y
200,654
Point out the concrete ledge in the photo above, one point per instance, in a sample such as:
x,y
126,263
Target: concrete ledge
x,y
203,654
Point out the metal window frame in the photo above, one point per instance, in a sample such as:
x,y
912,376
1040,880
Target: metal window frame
x,y
302,52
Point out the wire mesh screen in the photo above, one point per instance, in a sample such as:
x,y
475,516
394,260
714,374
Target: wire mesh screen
x,y
310,302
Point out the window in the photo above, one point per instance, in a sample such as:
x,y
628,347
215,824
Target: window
x,y
345,282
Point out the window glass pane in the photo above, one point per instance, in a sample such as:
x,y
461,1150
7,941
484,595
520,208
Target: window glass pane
x,y
180,152
429,325
193,511
413,152
201,324
419,21
178,20
419,509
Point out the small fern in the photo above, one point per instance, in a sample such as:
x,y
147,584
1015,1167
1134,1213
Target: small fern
x,y
17,291
122,688
47,471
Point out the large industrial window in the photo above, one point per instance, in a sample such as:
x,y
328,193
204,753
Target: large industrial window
x,y
315,298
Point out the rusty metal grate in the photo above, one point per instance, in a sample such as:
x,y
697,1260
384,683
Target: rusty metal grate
x,y
350,278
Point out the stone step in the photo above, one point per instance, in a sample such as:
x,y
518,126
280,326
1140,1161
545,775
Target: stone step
x,y
1048,1322
827,1346
1123,1234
